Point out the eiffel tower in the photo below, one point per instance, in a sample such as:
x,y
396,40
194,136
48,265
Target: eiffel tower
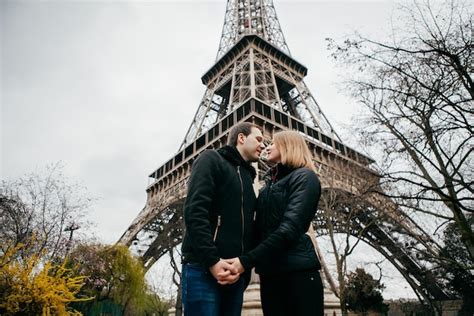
x,y
255,78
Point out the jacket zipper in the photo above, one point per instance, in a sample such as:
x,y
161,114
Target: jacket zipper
x,y
264,218
241,208
217,228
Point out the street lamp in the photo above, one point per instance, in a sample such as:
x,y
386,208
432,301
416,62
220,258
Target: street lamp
x,y
71,228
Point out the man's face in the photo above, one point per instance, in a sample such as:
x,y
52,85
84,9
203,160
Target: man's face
x,y
250,146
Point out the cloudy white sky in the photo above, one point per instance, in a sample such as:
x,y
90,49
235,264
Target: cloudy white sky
x,y
109,88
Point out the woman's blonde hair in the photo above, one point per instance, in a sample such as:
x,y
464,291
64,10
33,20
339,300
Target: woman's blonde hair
x,y
293,150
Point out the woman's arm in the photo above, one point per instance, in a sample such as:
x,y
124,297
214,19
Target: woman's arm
x,y
304,193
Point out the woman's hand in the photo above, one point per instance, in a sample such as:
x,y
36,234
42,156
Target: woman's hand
x,y
236,265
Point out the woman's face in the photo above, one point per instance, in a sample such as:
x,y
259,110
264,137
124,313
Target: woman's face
x,y
273,154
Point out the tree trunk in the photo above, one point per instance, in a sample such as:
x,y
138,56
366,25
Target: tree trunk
x,y
179,303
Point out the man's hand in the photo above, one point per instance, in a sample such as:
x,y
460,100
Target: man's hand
x,y
224,272
237,266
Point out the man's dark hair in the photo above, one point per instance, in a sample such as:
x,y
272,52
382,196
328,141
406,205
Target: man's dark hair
x,y
244,128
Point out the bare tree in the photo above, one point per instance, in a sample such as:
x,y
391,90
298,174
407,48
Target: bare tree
x,y
38,209
417,91
340,213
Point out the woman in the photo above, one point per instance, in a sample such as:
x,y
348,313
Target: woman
x,y
285,259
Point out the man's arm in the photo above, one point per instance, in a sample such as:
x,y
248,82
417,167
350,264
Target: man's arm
x,y
201,193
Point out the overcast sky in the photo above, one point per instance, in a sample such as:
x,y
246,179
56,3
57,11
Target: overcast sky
x,y
109,88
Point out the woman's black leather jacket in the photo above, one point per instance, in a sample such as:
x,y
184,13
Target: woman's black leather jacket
x,y
285,207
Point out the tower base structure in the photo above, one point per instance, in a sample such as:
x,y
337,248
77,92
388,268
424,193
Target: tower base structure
x,y
255,79
253,307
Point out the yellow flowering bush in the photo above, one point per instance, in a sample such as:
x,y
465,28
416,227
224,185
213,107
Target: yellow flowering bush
x,y
31,287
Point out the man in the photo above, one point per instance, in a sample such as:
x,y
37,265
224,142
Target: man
x,y
219,218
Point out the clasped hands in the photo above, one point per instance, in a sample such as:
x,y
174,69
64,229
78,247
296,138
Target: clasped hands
x,y
227,271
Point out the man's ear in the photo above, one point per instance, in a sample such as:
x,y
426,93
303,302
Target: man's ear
x,y
240,138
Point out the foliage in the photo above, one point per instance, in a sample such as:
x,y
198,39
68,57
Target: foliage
x,y
458,273
43,206
114,274
414,308
31,287
417,91
363,292
35,210
154,305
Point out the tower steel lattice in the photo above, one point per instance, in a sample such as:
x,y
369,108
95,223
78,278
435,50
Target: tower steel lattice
x,y
254,78
254,18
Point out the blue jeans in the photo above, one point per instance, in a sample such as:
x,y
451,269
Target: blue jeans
x,y
203,296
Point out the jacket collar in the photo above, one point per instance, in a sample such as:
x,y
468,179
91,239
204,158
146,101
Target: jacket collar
x,y
280,171
231,154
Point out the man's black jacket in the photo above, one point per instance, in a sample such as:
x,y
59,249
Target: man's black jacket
x,y
285,208
219,208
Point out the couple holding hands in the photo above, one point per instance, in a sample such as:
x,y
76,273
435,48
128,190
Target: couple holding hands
x,y
229,230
